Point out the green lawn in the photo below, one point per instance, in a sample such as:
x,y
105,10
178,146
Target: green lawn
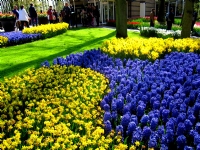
x,y
15,59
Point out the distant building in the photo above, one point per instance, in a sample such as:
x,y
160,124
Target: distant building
x,y
136,8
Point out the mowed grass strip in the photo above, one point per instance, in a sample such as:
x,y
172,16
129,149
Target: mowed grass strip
x,y
15,60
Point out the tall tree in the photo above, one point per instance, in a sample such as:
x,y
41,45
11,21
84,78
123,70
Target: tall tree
x,y
161,12
187,18
121,18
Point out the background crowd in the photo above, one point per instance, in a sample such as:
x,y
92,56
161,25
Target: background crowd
x,y
89,16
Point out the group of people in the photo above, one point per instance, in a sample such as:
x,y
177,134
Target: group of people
x,y
170,18
90,15
23,18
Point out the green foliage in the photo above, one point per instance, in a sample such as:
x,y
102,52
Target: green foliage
x,y
177,21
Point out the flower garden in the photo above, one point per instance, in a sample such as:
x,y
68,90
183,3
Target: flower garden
x,y
129,94
32,34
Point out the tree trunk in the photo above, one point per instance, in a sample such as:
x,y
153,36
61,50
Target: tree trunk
x,y
121,19
187,18
161,12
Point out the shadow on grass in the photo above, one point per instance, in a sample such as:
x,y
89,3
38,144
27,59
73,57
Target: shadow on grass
x,y
36,63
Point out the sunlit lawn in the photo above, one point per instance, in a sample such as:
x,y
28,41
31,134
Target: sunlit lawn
x,y
16,59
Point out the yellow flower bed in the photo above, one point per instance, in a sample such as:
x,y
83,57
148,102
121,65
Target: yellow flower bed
x,y
53,108
151,48
48,30
3,40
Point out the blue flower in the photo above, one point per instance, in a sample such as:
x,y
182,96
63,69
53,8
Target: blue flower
x,y
107,127
198,147
180,129
197,127
146,132
183,107
181,141
152,143
163,147
140,110
114,115
196,139
120,105
137,135
113,105
103,102
127,108
106,107
181,117
188,125
134,119
165,115
131,127
156,104
196,108
107,116
125,120
188,148
144,120
169,135
154,123
175,112
192,118
45,64
120,130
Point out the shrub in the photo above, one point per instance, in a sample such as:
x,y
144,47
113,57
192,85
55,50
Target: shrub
x,y
160,33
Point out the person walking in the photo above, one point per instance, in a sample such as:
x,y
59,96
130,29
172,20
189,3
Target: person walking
x,y
66,13
16,14
96,14
23,18
50,14
152,18
33,15
170,19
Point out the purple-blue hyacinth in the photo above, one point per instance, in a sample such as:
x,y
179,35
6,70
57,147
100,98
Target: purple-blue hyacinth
x,y
131,127
169,135
188,148
107,127
114,105
140,110
114,115
125,120
107,116
197,127
156,104
188,125
181,117
152,143
198,147
146,132
120,130
154,123
165,115
181,141
134,119
163,147
144,120
137,135
196,139
106,107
